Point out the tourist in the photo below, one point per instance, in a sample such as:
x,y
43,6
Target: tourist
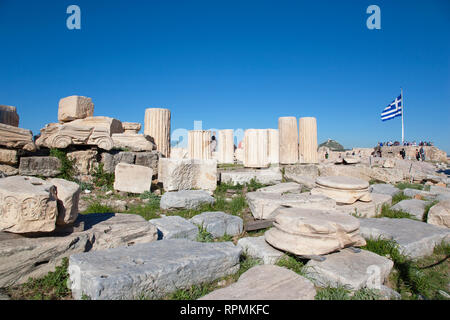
x,y
417,155
326,154
213,143
422,154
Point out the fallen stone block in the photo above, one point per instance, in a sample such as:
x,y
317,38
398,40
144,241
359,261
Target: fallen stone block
x,y
258,248
367,209
75,107
185,199
266,176
415,239
439,214
384,188
263,205
286,187
266,282
84,161
132,141
28,205
68,195
187,174
175,227
17,138
353,270
219,223
132,178
414,207
7,171
414,193
152,269
8,156
345,190
9,115
39,166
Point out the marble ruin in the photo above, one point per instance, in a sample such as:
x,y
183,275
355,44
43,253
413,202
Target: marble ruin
x,y
288,133
9,115
226,146
17,138
308,140
273,146
157,126
255,148
346,190
75,107
199,145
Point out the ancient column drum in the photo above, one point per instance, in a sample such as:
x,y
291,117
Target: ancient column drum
x,y
288,132
199,144
255,148
308,140
273,146
226,146
157,126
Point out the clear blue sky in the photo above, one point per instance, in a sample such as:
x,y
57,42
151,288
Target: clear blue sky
x,y
234,64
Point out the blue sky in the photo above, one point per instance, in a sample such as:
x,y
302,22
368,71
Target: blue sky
x,y
234,64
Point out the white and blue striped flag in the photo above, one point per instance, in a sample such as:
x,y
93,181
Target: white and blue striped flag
x,y
393,110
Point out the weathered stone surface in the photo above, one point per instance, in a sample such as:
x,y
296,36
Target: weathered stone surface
x,y
285,187
266,282
9,115
346,190
157,126
88,131
367,209
416,239
418,193
307,127
148,159
389,163
263,205
68,195
288,132
186,174
219,223
258,248
22,257
439,214
84,161
151,269
131,127
431,153
18,138
307,170
132,141
384,188
132,178
185,199
439,190
273,146
8,156
267,176
362,171
175,227
353,270
6,170
351,160
313,232
199,142
414,207
226,146
27,205
179,153
39,166
255,148
75,107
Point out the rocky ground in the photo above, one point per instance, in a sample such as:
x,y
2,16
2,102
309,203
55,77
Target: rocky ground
x,y
405,228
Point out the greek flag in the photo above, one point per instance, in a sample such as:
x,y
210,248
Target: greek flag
x,y
393,110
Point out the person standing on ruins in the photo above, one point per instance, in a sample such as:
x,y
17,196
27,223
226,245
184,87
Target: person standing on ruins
x,y
213,143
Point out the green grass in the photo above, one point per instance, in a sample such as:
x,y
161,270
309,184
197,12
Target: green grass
x,y
101,178
342,293
97,207
415,278
203,235
53,286
427,209
147,211
407,185
387,212
375,181
67,170
399,197
293,263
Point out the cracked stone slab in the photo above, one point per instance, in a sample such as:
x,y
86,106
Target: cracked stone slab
x,y
266,282
258,248
219,223
152,270
414,207
384,188
415,239
185,199
285,187
353,270
175,227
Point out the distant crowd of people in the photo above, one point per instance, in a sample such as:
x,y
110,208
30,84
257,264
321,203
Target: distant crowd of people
x,y
406,144
420,153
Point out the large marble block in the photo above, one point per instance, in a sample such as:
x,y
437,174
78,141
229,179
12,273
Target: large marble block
x,y
9,116
75,107
288,133
255,148
157,126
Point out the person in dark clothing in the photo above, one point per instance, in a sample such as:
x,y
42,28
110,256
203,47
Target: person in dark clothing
x,y
422,153
403,153
417,155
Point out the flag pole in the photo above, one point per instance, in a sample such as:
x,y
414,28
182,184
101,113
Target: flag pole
x,y
403,107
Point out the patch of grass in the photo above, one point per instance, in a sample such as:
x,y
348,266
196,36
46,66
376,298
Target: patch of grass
x,y
330,293
414,279
101,178
204,235
237,205
97,207
399,197
147,211
67,170
293,263
254,185
366,294
427,209
246,263
387,212
53,286
193,293
224,238
407,185
375,181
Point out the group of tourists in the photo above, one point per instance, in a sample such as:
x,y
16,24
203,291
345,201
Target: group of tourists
x,y
406,144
